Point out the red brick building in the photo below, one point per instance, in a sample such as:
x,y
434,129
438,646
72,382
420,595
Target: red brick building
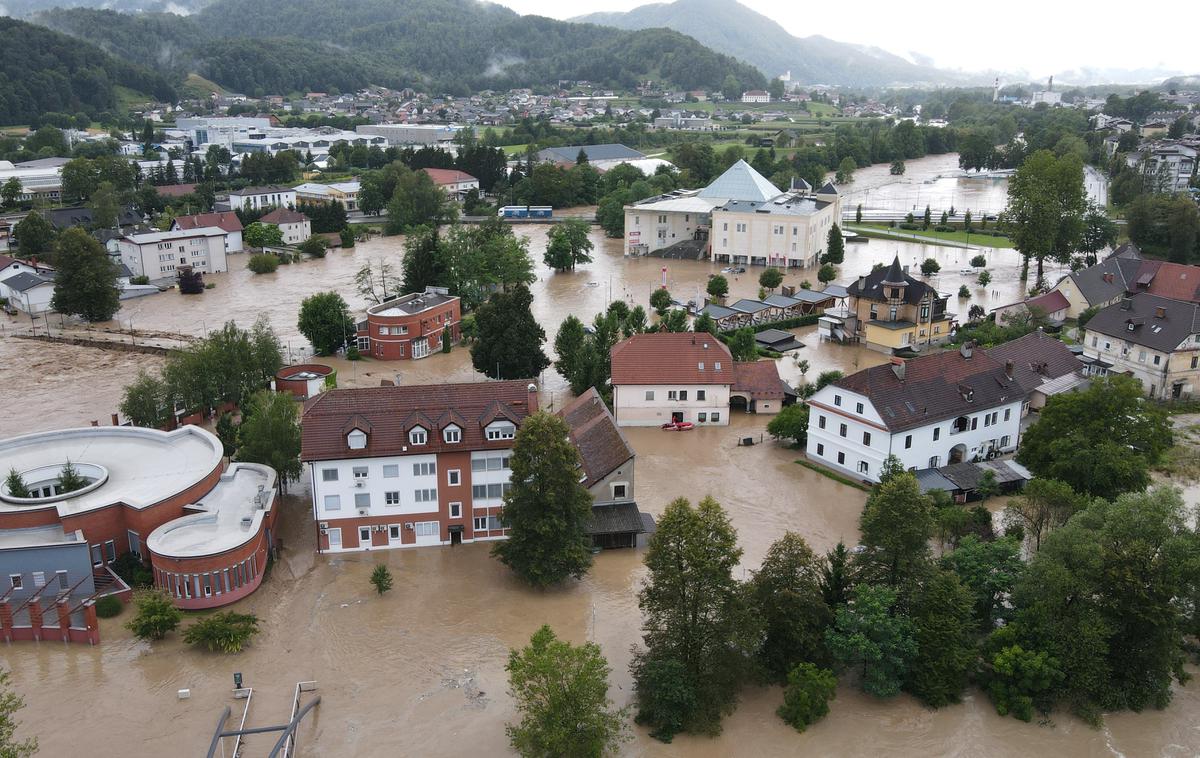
x,y
410,327
396,467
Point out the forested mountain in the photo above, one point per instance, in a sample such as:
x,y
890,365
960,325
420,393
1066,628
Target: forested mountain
x,y
43,71
454,46
731,28
23,9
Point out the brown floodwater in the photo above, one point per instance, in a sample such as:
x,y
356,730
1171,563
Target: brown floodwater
x,y
935,180
420,671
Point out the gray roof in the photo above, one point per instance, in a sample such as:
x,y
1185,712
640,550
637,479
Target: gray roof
x,y
607,152
616,518
828,189
1137,320
812,296
773,335
929,479
782,205
1108,279
43,163
26,281
746,305
718,311
1037,357
782,301
741,182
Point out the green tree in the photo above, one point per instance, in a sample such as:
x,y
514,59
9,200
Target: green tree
x,y
314,246
742,345
845,171
85,283
1046,205
377,282
835,247
568,245
11,191
897,168
674,321
718,287
806,696
1019,680
227,432
156,615
570,345
1101,441
705,323
34,235
896,526
1099,232
1045,504
868,637
989,570
106,206
561,692
547,510
417,201
785,597
262,235
325,321
69,478
927,220
693,622
944,633
660,301
509,340
270,435
770,278
223,632
837,577
10,703
857,214
147,402
791,423
381,578
424,263
985,278
14,484
263,263
610,214
826,274
929,267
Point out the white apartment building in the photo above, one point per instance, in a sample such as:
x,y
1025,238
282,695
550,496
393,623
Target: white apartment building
x,y
662,377
295,226
790,230
158,254
259,198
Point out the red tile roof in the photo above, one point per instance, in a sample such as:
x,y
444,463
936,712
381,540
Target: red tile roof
x,y
443,176
759,379
1037,358
672,358
388,413
1049,302
283,216
602,447
1171,280
175,190
226,221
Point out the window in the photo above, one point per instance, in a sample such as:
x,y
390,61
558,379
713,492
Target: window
x,y
360,472
362,500
453,477
714,417
481,523
426,495
1004,441
110,549
1093,341
974,423
17,581
867,439
1141,356
702,417
821,422
701,395
391,470
820,449
842,429
1195,361
1007,413
384,331
672,395
329,475
452,434
356,439
858,407
424,469
717,365
933,462
501,431
907,441
418,436
619,491
1157,360
937,432
863,466
391,498
841,458
494,522
837,400
649,394
427,528
393,531
39,579
455,510
683,394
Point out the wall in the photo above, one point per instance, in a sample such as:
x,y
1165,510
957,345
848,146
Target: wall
x,y
801,243
646,227
601,491
631,407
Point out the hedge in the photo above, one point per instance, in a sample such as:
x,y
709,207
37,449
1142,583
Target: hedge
x,y
109,606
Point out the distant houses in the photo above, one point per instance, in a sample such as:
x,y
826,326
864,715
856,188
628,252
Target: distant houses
x,y
453,182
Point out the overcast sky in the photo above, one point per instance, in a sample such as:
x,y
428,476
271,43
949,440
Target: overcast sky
x,y
1036,36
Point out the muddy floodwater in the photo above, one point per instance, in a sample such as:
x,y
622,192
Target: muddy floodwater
x,y
420,671
935,180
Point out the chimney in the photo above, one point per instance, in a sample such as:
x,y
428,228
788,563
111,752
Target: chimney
x,y
1127,304
1108,278
898,368
862,283
1008,369
965,350
1160,312
532,404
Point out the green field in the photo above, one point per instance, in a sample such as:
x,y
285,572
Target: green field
x,y
950,239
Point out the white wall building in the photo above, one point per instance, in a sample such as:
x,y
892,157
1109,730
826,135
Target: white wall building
x,y
662,377
295,226
787,231
158,254
258,198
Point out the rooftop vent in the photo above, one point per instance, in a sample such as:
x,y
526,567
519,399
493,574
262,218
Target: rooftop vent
x,y
1160,312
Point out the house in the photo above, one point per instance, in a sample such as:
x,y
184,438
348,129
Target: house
x,y
412,326
1042,365
157,254
28,292
345,193
944,407
756,96
605,152
454,183
890,310
396,467
1168,166
785,230
961,480
261,198
1151,338
1049,306
295,226
226,221
607,463
1102,284
67,218
757,388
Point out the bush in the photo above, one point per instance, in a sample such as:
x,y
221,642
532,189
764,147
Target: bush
x,y
347,236
263,263
140,280
964,292
156,615
909,226
353,354
944,228
226,632
807,695
109,606
133,571
381,579
979,261
209,285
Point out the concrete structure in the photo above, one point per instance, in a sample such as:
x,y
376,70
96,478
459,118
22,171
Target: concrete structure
x,y
158,254
396,467
1168,166
226,221
295,226
1151,338
890,310
756,96
454,183
789,230
304,380
605,152
37,182
410,327
162,496
434,135
345,193
261,198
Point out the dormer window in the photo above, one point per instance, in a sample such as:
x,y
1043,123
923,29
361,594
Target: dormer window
x,y
418,436
452,434
356,439
501,430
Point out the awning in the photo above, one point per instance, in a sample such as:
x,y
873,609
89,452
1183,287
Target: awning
x,y
616,518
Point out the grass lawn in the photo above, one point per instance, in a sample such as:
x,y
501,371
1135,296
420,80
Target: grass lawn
x,y
951,239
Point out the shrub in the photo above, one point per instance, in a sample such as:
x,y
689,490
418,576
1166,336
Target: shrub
x,y
909,225
964,292
133,571
807,695
347,236
156,615
109,606
943,228
353,354
140,280
381,579
979,261
226,632
263,263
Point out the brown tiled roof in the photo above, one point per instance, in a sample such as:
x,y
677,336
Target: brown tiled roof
x,y
1174,280
1037,357
935,387
441,176
1049,302
227,221
283,216
671,358
602,447
387,413
175,190
759,379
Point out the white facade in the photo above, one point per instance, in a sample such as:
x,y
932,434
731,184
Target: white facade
x,y
32,301
257,198
846,432
653,226
756,96
296,232
157,255
773,238
658,404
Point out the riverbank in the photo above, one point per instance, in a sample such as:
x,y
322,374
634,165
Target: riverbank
x,y
959,239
